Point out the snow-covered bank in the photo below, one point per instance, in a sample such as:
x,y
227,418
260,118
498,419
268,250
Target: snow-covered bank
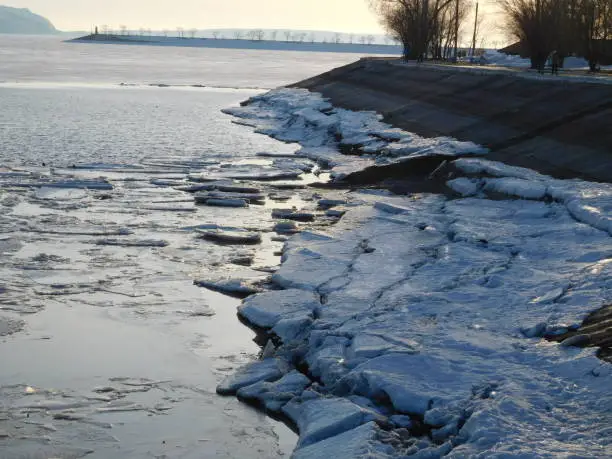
x,y
496,58
323,131
418,321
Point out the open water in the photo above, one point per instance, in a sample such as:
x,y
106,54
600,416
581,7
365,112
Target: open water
x,y
107,348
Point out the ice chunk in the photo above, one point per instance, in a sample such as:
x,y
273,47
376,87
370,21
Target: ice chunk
x,y
222,202
264,370
390,208
360,442
287,227
274,395
239,287
204,197
288,214
521,188
230,236
306,269
464,186
85,184
322,418
133,243
266,309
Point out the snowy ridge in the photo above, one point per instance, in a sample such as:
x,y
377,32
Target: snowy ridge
x,y
418,321
323,131
587,202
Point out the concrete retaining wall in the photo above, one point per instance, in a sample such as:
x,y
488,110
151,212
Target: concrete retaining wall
x,y
560,127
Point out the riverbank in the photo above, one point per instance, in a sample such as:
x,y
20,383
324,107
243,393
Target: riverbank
x,y
421,325
557,126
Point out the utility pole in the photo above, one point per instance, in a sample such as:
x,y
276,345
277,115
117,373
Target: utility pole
x,y
456,30
475,30
424,30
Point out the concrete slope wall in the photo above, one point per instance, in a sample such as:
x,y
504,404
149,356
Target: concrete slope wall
x,y
557,126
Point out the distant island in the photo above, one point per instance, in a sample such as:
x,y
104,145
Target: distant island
x,y
256,43
23,21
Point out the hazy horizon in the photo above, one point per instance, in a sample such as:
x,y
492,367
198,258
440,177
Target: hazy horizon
x,y
70,15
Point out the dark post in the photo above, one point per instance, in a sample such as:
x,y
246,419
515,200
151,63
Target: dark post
x,y
475,27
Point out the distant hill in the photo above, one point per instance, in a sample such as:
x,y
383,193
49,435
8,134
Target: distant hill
x,y
23,21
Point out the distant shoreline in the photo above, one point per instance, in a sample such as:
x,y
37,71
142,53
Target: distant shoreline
x,y
224,43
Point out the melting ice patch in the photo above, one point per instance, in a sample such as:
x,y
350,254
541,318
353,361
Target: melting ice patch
x,y
323,131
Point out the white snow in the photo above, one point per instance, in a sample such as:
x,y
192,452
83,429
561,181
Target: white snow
x,y
496,58
588,202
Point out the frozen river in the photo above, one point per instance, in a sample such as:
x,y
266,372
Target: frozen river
x,y
420,326
107,347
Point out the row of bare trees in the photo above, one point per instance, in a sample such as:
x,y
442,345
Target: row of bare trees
x,y
543,27
254,35
567,27
300,37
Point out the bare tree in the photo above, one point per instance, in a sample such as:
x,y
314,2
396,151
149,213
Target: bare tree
x,y
273,35
351,38
370,39
238,34
215,34
192,33
422,26
288,34
180,32
563,27
312,38
123,29
337,38
594,30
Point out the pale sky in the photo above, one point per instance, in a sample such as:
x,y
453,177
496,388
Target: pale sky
x,y
336,15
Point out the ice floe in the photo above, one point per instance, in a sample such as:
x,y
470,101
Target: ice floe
x,y
230,236
432,309
290,214
224,202
238,287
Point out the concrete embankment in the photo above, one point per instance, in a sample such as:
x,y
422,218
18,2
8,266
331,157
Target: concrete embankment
x,y
558,126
